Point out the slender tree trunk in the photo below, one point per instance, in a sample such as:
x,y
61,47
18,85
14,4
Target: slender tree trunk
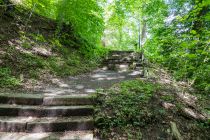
x,y
120,37
139,34
143,32
142,37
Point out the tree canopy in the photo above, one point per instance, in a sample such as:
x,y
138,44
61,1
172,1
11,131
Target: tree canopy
x,y
174,33
84,17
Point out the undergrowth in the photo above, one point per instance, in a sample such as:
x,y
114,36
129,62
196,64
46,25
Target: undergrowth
x,y
65,61
125,108
132,110
60,52
7,80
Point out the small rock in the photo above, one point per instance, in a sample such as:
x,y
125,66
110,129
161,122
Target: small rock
x,y
59,83
42,51
187,98
167,105
55,80
192,114
22,50
10,43
63,85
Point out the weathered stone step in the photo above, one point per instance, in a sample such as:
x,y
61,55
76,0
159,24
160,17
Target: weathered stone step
x,y
124,66
127,57
124,54
39,99
69,135
123,61
45,111
68,100
30,99
121,52
120,62
46,124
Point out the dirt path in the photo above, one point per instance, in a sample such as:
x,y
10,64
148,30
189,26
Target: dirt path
x,y
89,83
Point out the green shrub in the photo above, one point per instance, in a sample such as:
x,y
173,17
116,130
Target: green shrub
x,y
6,78
83,16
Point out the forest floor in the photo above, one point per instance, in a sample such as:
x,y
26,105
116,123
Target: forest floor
x,y
155,107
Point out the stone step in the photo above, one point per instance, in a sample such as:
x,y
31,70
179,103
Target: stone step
x,y
128,57
124,66
119,67
45,111
30,99
68,100
45,124
123,58
119,61
120,52
39,99
69,135
124,54
116,54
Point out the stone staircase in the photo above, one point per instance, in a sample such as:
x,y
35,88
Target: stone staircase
x,y
25,114
123,61
66,116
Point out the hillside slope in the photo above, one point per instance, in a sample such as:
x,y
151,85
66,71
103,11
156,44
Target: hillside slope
x,y
33,51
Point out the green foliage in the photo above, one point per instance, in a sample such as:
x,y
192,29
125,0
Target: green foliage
x,y
22,63
70,36
7,80
181,45
127,104
176,34
75,61
26,45
127,19
83,16
71,63
38,37
94,53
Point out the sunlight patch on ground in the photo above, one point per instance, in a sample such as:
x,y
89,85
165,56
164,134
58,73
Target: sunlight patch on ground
x,y
87,84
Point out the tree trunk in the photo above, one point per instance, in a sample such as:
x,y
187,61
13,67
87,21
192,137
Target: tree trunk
x,y
120,38
143,32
